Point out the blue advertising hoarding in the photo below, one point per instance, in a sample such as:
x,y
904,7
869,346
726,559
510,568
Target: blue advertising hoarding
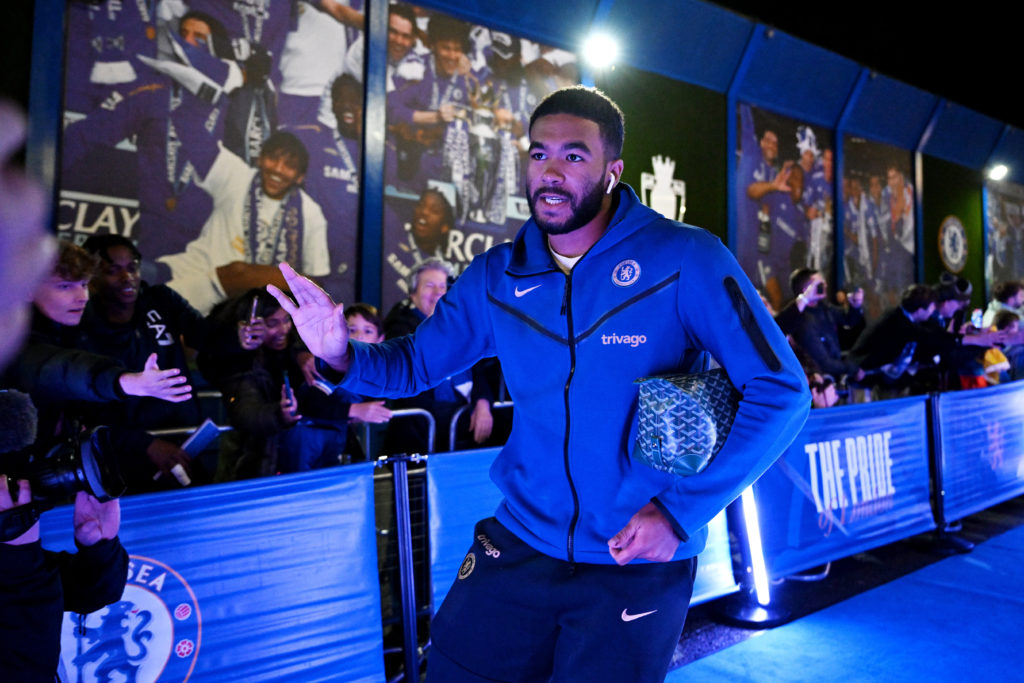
x,y
461,493
267,579
982,438
854,479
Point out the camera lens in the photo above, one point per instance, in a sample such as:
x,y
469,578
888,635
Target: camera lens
x,y
78,465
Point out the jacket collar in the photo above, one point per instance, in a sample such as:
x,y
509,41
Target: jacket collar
x,y
530,254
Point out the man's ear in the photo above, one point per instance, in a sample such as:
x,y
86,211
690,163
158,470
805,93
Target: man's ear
x,y
615,168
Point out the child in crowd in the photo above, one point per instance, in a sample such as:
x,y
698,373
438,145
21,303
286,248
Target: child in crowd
x,y
56,374
366,325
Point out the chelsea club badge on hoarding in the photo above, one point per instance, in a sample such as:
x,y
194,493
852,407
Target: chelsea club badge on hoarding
x,y
151,634
953,244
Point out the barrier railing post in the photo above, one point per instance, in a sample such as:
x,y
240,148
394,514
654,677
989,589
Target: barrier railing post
x,y
403,512
946,542
461,411
406,412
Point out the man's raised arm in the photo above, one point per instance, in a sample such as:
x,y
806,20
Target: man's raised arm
x,y
318,320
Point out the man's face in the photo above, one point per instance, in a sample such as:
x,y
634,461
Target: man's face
x,y
400,38
796,183
430,288
895,179
195,32
449,55
118,279
875,187
362,330
62,301
348,110
807,160
949,307
770,146
922,314
855,188
428,220
279,172
816,283
1017,300
279,324
566,175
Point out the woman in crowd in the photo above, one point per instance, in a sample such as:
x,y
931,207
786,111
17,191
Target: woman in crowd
x,y
285,418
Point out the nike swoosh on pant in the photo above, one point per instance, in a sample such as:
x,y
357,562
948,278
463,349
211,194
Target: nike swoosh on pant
x,y
633,617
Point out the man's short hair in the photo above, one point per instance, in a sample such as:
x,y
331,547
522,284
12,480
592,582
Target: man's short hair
x,y
1004,319
74,263
433,263
100,245
799,278
368,312
590,104
443,27
917,297
403,10
340,82
283,143
1005,291
953,287
220,41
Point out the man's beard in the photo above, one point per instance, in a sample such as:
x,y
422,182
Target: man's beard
x,y
582,213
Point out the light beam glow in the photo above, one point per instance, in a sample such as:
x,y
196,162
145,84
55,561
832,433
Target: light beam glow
x,y
600,50
757,566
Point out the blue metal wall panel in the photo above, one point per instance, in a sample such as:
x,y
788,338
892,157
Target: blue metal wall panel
x,y
798,79
963,136
890,111
686,40
45,90
1010,151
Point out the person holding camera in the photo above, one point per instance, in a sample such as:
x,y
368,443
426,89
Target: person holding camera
x,y
814,324
37,586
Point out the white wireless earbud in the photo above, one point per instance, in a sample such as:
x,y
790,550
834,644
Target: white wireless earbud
x,y
611,183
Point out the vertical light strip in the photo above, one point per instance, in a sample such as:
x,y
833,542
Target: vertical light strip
x,y
757,566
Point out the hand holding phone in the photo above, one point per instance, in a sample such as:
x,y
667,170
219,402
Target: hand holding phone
x,y
250,332
976,317
289,408
288,388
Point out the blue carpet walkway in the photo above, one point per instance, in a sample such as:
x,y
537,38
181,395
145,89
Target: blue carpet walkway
x,y
960,619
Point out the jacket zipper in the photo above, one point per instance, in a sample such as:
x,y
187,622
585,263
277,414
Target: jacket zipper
x,y
567,311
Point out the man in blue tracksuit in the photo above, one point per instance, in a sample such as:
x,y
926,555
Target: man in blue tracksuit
x,y
586,571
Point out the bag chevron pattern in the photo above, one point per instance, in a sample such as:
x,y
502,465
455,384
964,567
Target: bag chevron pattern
x,y
684,419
